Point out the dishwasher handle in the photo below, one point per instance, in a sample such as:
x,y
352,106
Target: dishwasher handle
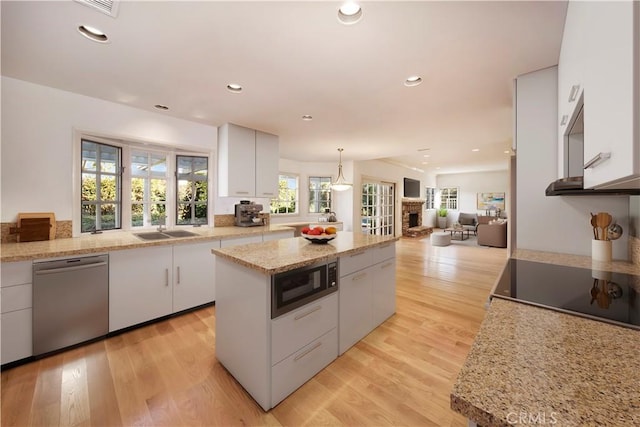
x,y
74,268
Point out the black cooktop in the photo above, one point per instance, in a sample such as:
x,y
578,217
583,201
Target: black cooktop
x,y
600,295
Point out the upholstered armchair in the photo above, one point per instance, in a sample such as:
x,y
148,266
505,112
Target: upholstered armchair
x,y
468,221
493,234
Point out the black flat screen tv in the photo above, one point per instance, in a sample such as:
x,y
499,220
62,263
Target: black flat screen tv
x,y
411,187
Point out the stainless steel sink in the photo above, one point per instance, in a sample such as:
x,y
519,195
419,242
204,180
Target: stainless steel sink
x,y
168,234
152,235
179,233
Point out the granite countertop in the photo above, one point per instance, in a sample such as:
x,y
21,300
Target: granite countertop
x,y
530,365
281,255
116,240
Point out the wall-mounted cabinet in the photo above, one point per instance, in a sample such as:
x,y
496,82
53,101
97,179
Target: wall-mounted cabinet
x,y
599,66
247,162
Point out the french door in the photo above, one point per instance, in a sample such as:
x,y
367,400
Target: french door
x,y
378,208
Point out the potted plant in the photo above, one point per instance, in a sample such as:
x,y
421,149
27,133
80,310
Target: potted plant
x,y
442,218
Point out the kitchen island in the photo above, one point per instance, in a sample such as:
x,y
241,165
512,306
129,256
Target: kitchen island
x,y
531,365
271,356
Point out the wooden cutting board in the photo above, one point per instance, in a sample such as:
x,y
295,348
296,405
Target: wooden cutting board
x,y
36,226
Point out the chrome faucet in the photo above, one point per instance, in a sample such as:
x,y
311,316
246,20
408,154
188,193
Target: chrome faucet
x,y
162,226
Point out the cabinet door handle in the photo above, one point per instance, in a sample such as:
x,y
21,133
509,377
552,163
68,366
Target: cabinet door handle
x,y
599,158
574,93
166,277
268,194
313,310
242,192
178,271
358,277
301,355
357,254
389,264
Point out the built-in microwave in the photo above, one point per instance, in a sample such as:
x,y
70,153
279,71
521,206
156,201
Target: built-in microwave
x,y
298,287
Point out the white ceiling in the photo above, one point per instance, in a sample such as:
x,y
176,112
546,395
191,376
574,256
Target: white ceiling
x,y
295,58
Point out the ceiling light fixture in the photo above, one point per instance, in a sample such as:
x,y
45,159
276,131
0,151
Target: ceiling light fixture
x,y
340,183
161,107
349,13
307,118
475,150
93,34
507,152
413,81
426,155
234,88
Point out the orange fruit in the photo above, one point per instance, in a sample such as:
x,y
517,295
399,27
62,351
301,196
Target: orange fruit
x,y
331,230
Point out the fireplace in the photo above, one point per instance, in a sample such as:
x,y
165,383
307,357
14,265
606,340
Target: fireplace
x,y
412,218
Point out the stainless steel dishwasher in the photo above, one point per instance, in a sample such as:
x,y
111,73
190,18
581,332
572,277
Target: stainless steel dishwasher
x,y
70,302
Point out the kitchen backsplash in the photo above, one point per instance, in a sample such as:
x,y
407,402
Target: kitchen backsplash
x,y
63,230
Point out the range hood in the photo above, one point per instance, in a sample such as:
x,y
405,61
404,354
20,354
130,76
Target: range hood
x,y
573,186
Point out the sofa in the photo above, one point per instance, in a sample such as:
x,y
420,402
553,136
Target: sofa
x,y
493,234
468,221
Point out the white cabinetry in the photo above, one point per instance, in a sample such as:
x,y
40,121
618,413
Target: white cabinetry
x,y
148,283
140,285
267,164
384,283
16,295
367,293
599,56
194,276
611,93
302,343
247,162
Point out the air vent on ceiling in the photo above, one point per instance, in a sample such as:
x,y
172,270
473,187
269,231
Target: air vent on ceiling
x,y
109,7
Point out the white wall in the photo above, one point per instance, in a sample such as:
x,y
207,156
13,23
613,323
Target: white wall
x,y
561,223
470,184
37,136
383,171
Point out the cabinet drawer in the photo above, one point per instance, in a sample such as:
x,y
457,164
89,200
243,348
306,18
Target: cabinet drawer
x,y
16,335
16,273
384,252
301,366
298,328
356,261
15,297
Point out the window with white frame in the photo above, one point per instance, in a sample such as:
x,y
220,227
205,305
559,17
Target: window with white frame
x,y
192,194
319,194
449,198
126,185
430,198
287,201
148,188
101,186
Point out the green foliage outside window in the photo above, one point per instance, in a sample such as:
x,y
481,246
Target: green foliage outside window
x,y
287,201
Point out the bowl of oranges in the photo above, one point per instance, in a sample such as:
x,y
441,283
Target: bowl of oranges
x,y
319,234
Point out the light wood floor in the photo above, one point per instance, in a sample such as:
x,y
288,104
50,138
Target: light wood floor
x,y
166,374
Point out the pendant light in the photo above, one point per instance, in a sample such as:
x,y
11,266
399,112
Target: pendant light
x,y
340,183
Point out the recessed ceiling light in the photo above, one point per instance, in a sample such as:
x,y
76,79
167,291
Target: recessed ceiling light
x,y
234,87
349,13
507,152
413,81
307,118
475,150
93,34
426,155
438,167
425,163
161,107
